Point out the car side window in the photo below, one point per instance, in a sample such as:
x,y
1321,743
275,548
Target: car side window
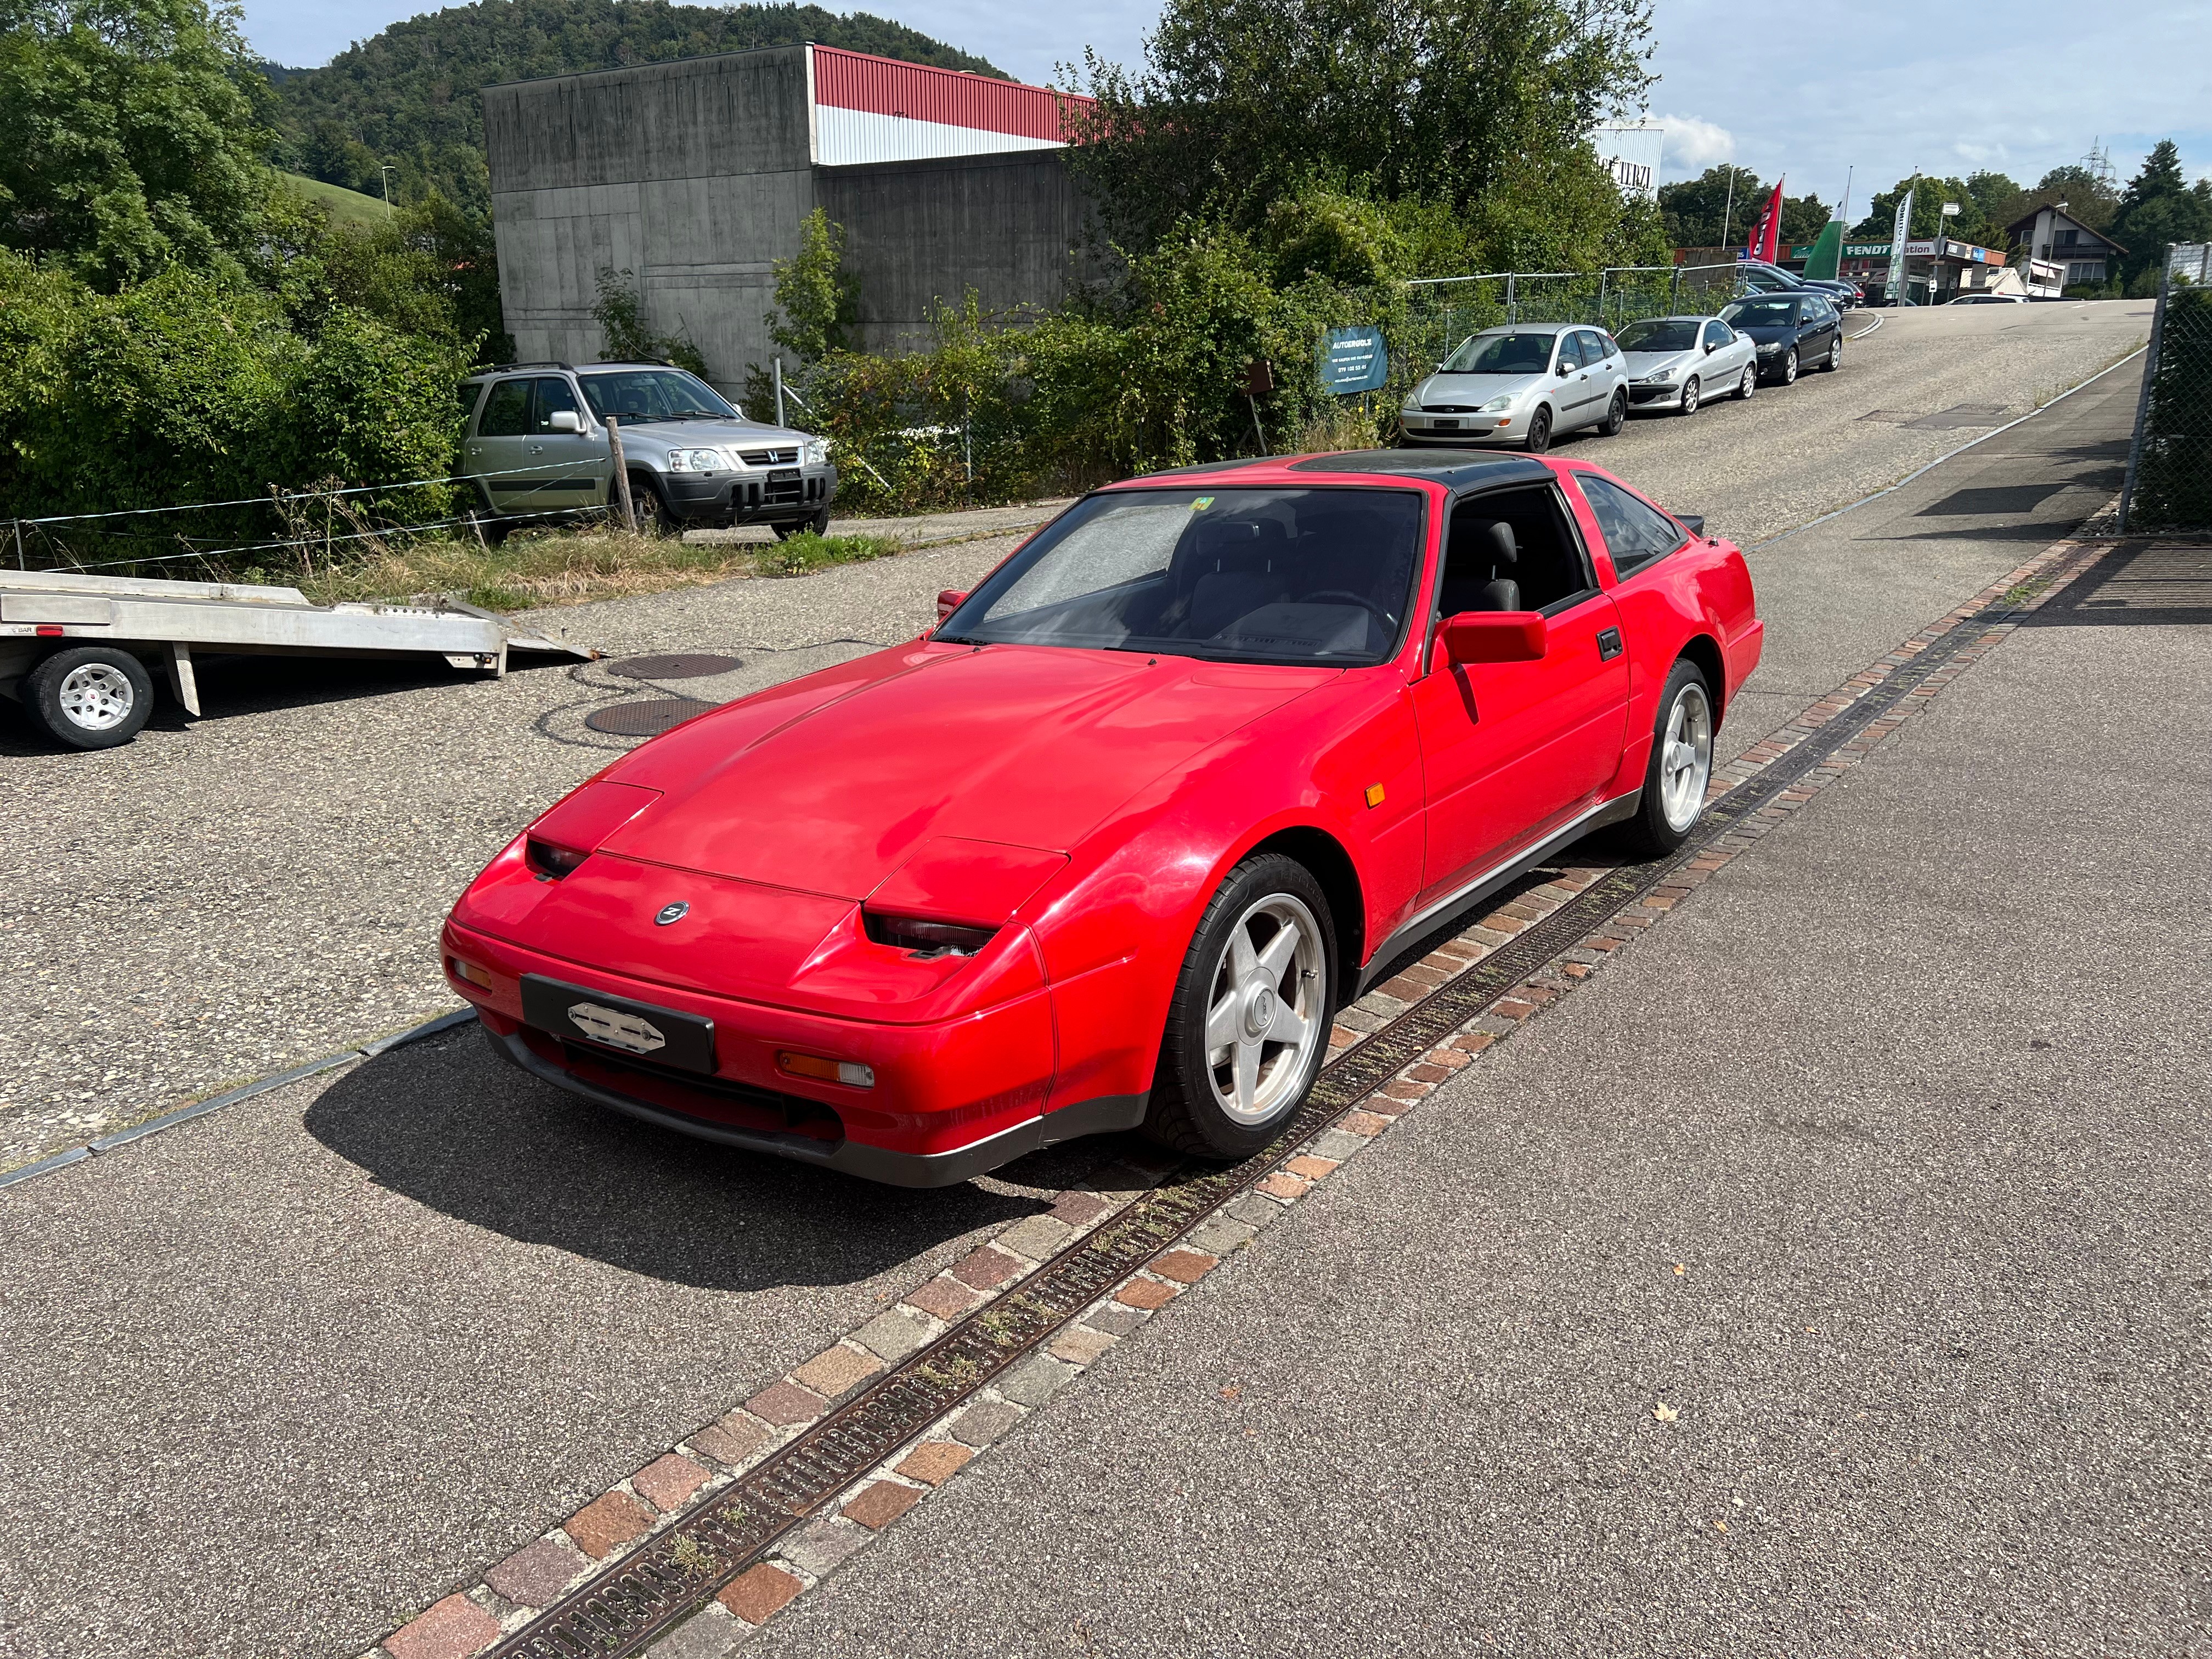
x,y
506,412
1718,333
1570,356
1547,570
1596,348
464,401
552,394
1635,532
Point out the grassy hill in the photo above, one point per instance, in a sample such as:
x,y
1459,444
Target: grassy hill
x,y
410,96
346,207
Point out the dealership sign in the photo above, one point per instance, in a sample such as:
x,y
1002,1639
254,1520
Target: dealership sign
x,y
1353,359
1631,154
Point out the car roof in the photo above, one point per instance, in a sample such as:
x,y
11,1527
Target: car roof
x,y
1534,328
1454,469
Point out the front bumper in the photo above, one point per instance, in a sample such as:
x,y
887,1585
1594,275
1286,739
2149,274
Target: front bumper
x,y
952,1100
1663,393
1460,431
754,496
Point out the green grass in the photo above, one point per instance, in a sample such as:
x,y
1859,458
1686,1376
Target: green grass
x,y
345,207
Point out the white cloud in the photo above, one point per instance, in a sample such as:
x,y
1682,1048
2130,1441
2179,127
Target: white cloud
x,y
1693,145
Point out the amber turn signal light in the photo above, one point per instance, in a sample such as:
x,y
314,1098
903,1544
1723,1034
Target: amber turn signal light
x,y
471,972
830,1071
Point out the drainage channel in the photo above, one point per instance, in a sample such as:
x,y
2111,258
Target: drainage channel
x,y
620,1610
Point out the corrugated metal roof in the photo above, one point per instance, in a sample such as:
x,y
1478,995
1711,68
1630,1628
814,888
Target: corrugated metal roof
x,y
943,98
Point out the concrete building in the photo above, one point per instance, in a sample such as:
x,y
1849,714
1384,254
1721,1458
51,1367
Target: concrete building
x,y
697,175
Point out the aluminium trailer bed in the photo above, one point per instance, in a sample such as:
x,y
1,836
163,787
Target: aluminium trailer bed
x,y
80,652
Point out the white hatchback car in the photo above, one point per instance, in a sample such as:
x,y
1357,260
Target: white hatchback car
x,y
1523,384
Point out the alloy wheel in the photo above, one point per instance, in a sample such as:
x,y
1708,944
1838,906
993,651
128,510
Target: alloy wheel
x,y
1690,396
1686,761
97,696
1264,1021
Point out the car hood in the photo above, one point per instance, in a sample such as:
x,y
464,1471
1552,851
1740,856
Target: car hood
x,y
1764,332
1471,390
829,789
733,434
1653,363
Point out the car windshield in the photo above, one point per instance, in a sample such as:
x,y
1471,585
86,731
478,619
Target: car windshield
x,y
1755,313
1501,353
653,394
1321,576
1659,334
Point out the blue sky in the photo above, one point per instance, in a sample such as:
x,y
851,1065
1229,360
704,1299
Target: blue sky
x,y
1885,89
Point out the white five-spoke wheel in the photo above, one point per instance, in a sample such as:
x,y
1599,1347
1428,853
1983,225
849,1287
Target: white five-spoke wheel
x,y
89,696
1749,383
1681,764
1248,1029
1263,1018
1685,759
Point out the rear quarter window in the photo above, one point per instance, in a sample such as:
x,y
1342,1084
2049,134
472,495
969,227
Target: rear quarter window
x,y
1636,533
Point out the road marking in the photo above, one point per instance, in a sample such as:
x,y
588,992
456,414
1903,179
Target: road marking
x,y
1997,432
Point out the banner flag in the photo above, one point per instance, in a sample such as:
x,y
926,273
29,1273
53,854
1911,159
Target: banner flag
x,y
1894,288
1766,241
1825,258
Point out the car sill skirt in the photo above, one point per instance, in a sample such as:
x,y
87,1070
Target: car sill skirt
x,y
854,1157
1620,809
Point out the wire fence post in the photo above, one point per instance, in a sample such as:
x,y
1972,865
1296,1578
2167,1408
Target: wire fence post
x,y
1604,278
777,370
19,565
621,479
1512,308
2142,399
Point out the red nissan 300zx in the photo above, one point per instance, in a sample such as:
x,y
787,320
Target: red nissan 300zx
x,y
1105,848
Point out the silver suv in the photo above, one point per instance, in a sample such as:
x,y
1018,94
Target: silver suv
x,y
534,443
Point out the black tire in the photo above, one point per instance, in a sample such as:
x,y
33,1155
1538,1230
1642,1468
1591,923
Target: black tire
x,y
1653,832
1540,430
1186,1111
1787,375
89,696
1835,354
654,517
1616,414
1688,403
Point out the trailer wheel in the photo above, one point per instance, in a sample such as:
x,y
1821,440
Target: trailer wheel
x,y
90,697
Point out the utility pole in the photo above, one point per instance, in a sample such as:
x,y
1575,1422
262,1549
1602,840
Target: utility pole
x,y
386,169
1844,212
1728,212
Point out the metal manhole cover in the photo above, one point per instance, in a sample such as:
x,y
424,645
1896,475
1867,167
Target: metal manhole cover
x,y
644,720
689,667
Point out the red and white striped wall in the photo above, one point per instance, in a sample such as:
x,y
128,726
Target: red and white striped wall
x,y
877,109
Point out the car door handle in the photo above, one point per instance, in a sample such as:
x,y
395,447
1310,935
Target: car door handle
x,y
1608,644
537,449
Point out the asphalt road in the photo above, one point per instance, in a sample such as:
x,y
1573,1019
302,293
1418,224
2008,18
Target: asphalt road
x,y
1881,1165
223,899
277,1379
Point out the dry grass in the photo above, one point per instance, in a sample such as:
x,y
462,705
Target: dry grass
x,y
572,566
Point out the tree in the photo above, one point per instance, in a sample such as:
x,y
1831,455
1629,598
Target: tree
x,y
1974,223
2157,209
130,140
2087,197
1693,209
1242,103
817,304
1803,216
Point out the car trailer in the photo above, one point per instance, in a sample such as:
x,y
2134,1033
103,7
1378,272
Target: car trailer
x,y
79,651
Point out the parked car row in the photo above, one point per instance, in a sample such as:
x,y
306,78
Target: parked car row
x,y
1523,384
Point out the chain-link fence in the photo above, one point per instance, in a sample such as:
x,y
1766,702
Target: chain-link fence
x,y
2169,477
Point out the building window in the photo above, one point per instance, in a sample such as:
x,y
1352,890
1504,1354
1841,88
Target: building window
x,y
2070,238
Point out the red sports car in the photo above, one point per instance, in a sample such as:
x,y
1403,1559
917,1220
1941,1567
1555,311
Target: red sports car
x,y
1106,848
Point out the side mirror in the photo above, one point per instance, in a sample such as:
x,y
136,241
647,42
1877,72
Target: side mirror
x,y
1692,522
1492,636
948,602
1712,346
567,420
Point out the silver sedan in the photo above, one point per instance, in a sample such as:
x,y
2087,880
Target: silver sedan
x,y
1675,363
1521,384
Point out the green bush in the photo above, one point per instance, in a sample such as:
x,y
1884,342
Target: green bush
x,y
192,387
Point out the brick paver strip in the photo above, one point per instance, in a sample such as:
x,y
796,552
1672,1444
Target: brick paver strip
x,y
534,1575
944,1298
1185,1266
834,1369
666,1482
935,1461
786,1405
454,1629
607,1522
882,1503
754,1595
724,1535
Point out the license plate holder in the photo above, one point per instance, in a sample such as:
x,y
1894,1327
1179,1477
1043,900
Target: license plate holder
x,y
783,475
1445,426
618,1025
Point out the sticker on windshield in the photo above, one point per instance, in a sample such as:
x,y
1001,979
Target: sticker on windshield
x,y
1201,503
